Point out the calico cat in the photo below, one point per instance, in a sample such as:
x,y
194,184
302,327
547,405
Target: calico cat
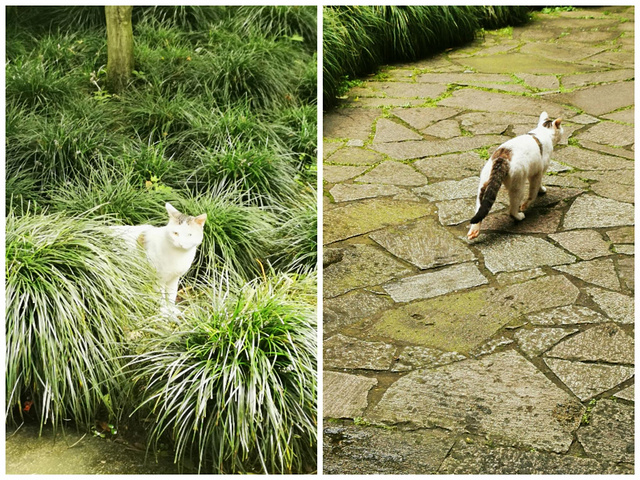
x,y
170,249
525,157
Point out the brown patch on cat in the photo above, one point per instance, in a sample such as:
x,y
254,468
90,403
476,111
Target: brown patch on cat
x,y
502,153
547,123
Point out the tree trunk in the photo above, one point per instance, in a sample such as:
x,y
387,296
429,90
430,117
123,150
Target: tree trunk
x,y
119,47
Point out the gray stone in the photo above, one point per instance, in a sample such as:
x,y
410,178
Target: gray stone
x,y
456,166
476,459
609,133
625,272
423,148
610,433
625,249
508,278
421,117
351,308
616,306
366,450
587,380
362,266
410,90
393,173
348,352
433,284
584,119
463,321
490,346
443,129
626,116
347,221
387,102
600,272
454,212
588,160
540,82
355,143
538,220
616,152
388,131
508,253
499,102
568,315
600,99
615,191
337,174
350,123
561,52
344,395
423,243
412,358
625,394
484,122
586,244
583,79
328,148
349,192
355,156
463,78
502,395
621,235
536,341
602,343
590,211
449,189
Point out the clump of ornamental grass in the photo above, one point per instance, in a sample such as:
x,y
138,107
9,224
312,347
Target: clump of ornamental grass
x,y
297,129
233,387
72,293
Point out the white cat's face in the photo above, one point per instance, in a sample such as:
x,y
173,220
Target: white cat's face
x,y
184,231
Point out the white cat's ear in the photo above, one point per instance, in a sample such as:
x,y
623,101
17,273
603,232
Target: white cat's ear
x,y
557,122
543,118
171,210
200,219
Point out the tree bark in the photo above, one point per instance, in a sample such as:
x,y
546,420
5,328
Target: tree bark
x,y
119,47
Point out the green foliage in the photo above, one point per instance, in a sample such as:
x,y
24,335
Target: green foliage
x,y
71,295
234,385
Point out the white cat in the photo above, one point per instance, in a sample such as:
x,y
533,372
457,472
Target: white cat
x,y
170,249
525,157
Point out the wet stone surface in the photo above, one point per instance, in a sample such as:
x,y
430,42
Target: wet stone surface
x,y
512,353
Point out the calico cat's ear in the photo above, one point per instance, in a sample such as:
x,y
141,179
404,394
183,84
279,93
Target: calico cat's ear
x,y
544,116
557,122
200,219
171,210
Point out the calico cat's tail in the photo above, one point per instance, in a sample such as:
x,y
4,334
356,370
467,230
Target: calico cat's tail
x,y
489,192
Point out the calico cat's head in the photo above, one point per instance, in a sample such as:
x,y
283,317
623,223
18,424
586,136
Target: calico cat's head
x,y
183,230
553,125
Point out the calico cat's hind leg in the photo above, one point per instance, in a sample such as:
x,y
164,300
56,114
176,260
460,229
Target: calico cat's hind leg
x,y
515,195
535,186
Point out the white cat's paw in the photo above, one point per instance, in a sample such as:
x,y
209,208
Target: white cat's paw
x,y
169,311
474,231
542,190
518,216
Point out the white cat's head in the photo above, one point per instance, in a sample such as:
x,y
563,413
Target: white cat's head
x,y
554,125
183,230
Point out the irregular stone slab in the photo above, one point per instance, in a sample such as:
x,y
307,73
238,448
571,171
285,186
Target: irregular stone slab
x,y
538,220
568,315
617,306
358,450
610,433
424,148
421,117
443,129
584,119
468,78
353,123
509,278
502,395
609,58
348,352
362,266
600,272
349,192
455,212
600,99
499,102
429,285
617,152
609,133
463,321
423,243
367,215
410,90
351,308
602,343
625,394
328,148
540,82
508,253
355,143
449,189
626,272
625,249
355,156
388,131
626,116
586,244
412,358
337,174
484,122
588,160
536,341
490,346
477,459
393,173
590,211
344,395
520,63
456,166
622,235
565,53
587,380
387,102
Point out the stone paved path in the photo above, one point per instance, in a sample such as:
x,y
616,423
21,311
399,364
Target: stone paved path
x,y
514,353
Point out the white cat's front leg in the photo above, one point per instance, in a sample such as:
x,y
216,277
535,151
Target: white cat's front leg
x,y
172,291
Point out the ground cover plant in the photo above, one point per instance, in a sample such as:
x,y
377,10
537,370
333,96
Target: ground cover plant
x,y
219,117
358,39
